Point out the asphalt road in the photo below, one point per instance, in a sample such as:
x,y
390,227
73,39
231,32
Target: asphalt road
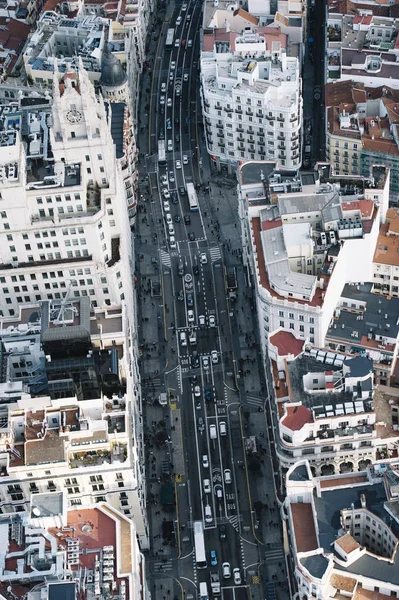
x,y
173,367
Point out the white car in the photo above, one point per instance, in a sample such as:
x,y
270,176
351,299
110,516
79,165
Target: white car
x,y
168,219
207,486
178,20
162,100
214,357
190,316
164,179
208,514
171,77
188,17
185,77
177,42
227,476
190,43
166,206
163,87
169,102
166,194
178,164
185,159
172,65
226,570
172,242
237,576
201,321
205,461
222,428
184,7
197,391
212,321
212,432
171,229
205,362
171,176
203,258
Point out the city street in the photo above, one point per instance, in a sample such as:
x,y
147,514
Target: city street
x,y
199,351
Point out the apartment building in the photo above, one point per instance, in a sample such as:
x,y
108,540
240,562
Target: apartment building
x,y
251,97
64,219
71,420
304,249
344,533
386,256
57,552
361,129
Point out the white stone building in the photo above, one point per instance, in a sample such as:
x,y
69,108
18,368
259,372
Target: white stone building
x,y
251,97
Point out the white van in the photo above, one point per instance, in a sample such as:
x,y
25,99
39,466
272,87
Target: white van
x,y
203,591
170,145
208,514
183,338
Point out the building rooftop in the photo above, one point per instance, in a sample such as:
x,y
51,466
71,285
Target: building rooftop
x,y
304,527
286,343
387,248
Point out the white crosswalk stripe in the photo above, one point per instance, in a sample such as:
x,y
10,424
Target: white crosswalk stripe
x,y
160,566
215,253
165,258
274,556
255,401
234,521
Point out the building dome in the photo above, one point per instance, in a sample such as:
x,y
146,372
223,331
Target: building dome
x,y
112,73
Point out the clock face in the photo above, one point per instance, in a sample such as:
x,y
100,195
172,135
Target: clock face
x,y
74,116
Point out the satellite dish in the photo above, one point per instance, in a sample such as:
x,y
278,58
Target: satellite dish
x,y
36,511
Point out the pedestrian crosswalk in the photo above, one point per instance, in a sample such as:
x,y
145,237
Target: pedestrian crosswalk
x,y
150,381
274,555
165,258
161,566
215,253
234,520
256,401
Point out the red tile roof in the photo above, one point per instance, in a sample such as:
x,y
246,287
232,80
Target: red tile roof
x,y
366,207
296,417
286,343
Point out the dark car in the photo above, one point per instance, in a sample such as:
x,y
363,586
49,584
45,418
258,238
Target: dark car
x,y
177,120
174,197
196,270
193,379
208,394
177,218
187,219
189,300
191,236
195,360
162,110
177,138
222,533
161,134
182,190
169,124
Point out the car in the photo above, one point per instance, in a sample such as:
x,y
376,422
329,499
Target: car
x,y
237,576
170,145
195,360
191,236
163,88
171,229
169,102
226,570
205,362
166,194
169,124
214,357
175,198
172,65
190,43
208,514
168,218
162,100
177,120
177,42
180,296
212,432
190,300
190,316
201,321
166,206
185,77
171,176
208,394
171,77
203,258
177,218
183,338
227,476
214,558
188,17
212,321
197,391
178,20
195,269
177,138
207,486
218,491
161,134
201,424
184,7
187,219
164,179
177,90
182,190
178,164
198,404
162,110
222,428
183,43
172,242
185,159
205,461
222,533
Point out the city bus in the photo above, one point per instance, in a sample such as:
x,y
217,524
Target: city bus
x,y
199,545
161,153
192,197
170,38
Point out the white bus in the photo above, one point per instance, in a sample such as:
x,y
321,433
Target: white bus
x,y
192,197
199,545
170,37
203,593
161,153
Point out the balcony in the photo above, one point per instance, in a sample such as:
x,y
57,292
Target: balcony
x,y
241,138
259,114
228,109
206,104
239,111
220,135
249,112
240,130
280,119
270,117
208,122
